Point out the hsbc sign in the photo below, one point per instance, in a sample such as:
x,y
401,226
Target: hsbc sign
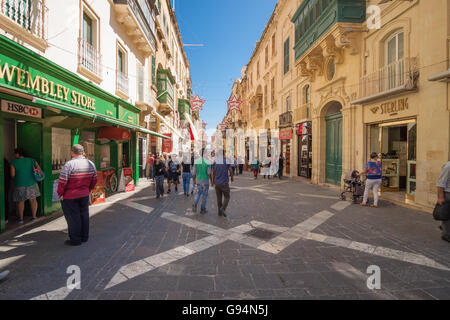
x,y
17,108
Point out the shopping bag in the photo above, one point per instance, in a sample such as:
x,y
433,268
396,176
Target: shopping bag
x,y
38,173
442,212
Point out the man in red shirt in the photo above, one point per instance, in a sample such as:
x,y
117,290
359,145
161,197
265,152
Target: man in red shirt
x,y
150,163
76,181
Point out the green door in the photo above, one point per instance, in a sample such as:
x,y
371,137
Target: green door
x,y
29,137
334,149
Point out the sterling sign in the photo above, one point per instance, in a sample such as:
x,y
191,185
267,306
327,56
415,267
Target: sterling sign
x,y
17,108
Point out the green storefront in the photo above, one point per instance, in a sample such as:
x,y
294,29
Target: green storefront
x,y
45,109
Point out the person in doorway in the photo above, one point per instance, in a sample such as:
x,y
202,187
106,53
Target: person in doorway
x,y
280,166
159,169
150,164
25,186
373,172
186,175
77,179
255,168
443,190
202,176
173,173
221,174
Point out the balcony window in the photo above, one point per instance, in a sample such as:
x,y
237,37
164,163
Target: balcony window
x,y
122,72
89,59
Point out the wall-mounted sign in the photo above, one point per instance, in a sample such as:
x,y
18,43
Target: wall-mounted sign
x,y
286,134
17,108
167,143
391,108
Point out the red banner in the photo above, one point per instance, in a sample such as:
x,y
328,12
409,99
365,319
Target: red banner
x,y
286,134
167,143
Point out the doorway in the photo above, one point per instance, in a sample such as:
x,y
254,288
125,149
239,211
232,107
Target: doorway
x,y
333,120
26,135
396,143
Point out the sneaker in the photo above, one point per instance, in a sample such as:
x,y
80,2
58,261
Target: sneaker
x,y
20,221
194,208
203,211
4,274
363,204
374,206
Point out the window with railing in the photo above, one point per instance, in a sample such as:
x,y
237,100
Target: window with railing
x,y
89,56
122,76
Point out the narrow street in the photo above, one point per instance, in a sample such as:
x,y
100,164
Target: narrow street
x,y
281,240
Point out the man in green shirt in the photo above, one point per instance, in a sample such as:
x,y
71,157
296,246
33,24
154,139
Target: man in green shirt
x,y
202,175
25,186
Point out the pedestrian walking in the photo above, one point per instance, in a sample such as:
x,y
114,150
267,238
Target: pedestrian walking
x,y
25,185
150,164
159,170
266,168
173,173
373,172
280,166
241,165
443,190
221,174
235,167
255,168
202,176
186,175
77,179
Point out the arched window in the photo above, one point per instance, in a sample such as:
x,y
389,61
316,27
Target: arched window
x,y
306,96
395,48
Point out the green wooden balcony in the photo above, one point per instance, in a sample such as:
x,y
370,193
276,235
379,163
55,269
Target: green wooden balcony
x,y
165,91
314,18
184,106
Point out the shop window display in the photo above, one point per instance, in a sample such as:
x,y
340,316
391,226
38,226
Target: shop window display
x,y
61,148
88,142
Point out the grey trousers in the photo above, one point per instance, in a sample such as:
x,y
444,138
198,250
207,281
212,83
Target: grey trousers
x,y
446,224
223,190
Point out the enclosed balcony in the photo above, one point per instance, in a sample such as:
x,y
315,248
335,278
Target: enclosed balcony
x,y
26,20
285,119
165,91
314,18
138,18
392,79
184,106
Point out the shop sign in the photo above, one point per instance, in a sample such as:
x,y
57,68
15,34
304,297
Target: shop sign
x,y
167,143
304,128
391,108
286,134
40,78
17,108
129,182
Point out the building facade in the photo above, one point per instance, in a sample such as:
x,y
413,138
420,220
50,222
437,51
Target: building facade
x,y
338,87
97,75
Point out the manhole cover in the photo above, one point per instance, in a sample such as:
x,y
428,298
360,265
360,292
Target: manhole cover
x,y
261,234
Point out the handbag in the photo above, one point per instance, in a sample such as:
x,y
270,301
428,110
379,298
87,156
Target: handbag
x,y
442,212
39,175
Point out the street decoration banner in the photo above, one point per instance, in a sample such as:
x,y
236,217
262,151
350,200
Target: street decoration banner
x,y
197,103
234,104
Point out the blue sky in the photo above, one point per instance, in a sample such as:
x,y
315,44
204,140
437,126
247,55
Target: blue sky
x,y
228,29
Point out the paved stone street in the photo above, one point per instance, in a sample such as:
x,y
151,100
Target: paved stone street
x,y
282,240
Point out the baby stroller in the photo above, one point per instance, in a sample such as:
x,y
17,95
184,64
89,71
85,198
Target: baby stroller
x,y
354,186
